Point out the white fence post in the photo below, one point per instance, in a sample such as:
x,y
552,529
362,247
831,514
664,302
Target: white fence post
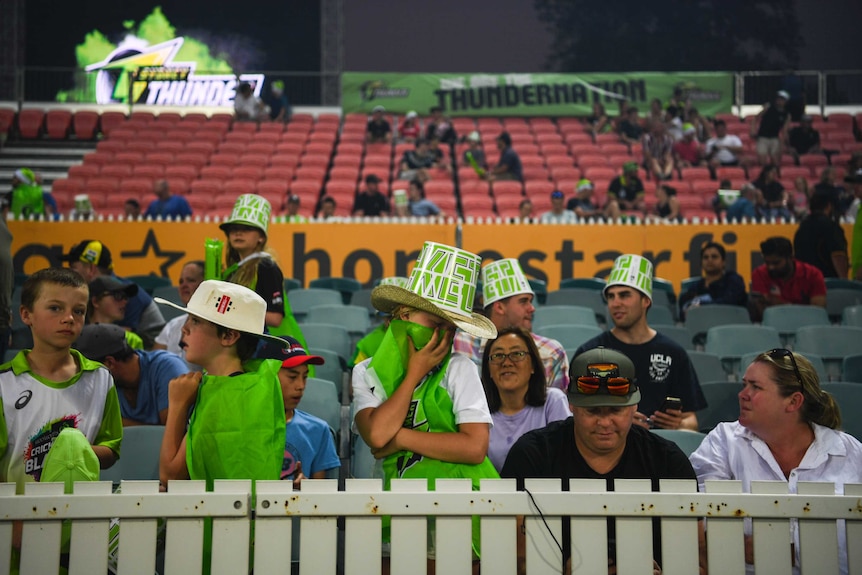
x,y
232,533
273,536
544,556
88,552
589,535
40,540
454,534
772,552
363,537
184,537
499,533
854,534
318,536
725,535
634,538
138,535
409,535
679,535
818,537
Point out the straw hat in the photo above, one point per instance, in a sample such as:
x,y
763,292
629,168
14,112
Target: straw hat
x,y
229,305
443,283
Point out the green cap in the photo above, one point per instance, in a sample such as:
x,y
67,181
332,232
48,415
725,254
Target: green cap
x,y
633,271
630,167
83,203
71,458
250,210
584,184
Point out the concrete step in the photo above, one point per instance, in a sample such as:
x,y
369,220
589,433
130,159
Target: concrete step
x,y
32,152
38,164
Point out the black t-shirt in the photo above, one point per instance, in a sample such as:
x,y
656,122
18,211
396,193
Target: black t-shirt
x,y
772,191
817,238
576,203
629,192
416,161
729,289
803,140
630,130
270,283
771,122
371,204
444,131
550,452
662,369
378,130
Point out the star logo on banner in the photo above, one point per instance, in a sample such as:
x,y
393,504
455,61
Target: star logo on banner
x,y
152,244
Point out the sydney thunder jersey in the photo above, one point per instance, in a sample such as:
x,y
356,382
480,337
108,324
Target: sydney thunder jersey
x,y
35,410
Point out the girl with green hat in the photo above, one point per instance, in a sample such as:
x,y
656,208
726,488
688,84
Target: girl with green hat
x,y
250,264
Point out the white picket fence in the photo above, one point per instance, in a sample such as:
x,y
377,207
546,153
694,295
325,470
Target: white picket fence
x,y
362,504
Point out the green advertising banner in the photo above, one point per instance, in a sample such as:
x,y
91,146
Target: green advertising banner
x,y
529,94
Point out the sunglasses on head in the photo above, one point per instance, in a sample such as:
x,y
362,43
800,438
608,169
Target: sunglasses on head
x,y
780,352
604,376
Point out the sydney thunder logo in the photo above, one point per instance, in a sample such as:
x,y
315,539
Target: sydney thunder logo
x,y
148,75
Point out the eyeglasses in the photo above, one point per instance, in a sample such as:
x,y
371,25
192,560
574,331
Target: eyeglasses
x,y
513,356
605,376
780,353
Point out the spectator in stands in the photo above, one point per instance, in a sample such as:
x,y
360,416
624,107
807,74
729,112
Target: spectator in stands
x,y
630,128
474,155
558,214
674,125
440,126
437,392
688,152
852,212
717,285
327,208
240,411
701,125
622,109
141,377
378,128
279,107
658,152
509,166
663,366
525,211
747,205
775,197
820,240
27,198
440,159
108,298
626,192
600,441
788,431
400,203
250,263
91,259
132,208
803,139
724,148
408,131
248,107
371,202
598,122
291,210
167,205
82,208
582,204
667,207
309,448
415,163
837,194
800,197
508,302
781,279
656,113
7,283
770,129
418,205
520,401
855,209
168,339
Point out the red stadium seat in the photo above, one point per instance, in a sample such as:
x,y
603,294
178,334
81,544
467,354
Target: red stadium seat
x,y
313,173
142,187
200,147
695,173
236,148
437,188
319,148
191,159
813,161
552,150
599,173
200,204
143,116
259,160
284,160
172,147
185,135
140,146
85,124
98,158
319,160
272,187
347,161
84,171
220,159
116,170
149,171
730,173
30,123
537,188
102,185
305,188
507,187
111,120
67,185
344,173
7,120
208,186
264,148
236,188
591,161
475,188
565,173
216,172
247,172
161,157
179,186
283,173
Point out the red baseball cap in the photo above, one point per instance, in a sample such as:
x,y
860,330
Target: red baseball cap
x,y
291,355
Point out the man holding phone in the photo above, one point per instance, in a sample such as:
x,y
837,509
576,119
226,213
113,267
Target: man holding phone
x,y
662,366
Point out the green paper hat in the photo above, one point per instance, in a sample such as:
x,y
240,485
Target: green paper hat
x,y
502,279
250,210
400,197
70,459
399,281
633,271
443,283
83,203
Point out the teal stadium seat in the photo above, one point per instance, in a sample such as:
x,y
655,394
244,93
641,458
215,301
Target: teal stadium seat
x,y
563,315
301,300
139,457
789,318
328,336
722,404
679,334
731,342
849,398
570,336
688,441
699,319
815,360
707,366
851,368
831,342
346,286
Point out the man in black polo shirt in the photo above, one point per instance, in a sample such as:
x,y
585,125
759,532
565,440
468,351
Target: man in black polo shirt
x,y
371,202
770,129
820,240
600,440
804,139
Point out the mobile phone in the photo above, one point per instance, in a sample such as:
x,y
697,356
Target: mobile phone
x,y
671,403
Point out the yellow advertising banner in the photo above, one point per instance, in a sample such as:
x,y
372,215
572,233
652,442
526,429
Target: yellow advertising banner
x,y
367,251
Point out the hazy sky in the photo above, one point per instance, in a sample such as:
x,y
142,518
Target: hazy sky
x,y
506,36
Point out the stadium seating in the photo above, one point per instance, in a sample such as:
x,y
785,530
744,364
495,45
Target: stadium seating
x,y
722,404
563,314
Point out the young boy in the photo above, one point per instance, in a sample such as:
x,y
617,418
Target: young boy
x,y
237,427
52,387
309,450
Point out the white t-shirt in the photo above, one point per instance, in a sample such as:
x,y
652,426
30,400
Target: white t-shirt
x,y
461,381
566,217
724,155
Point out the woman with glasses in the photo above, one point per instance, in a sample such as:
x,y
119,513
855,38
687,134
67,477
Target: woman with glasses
x,y
787,431
514,381
108,299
